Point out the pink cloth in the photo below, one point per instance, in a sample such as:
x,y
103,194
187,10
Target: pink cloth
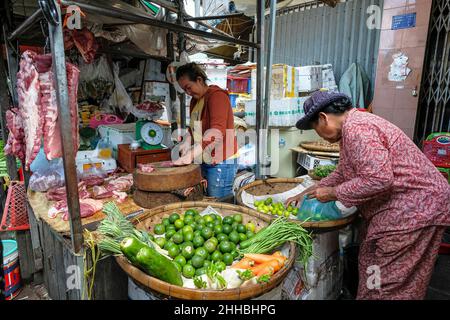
x,y
382,172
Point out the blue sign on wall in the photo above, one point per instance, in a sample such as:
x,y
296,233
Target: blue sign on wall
x,y
404,21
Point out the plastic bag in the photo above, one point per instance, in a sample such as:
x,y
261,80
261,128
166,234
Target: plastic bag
x,y
120,97
47,178
314,210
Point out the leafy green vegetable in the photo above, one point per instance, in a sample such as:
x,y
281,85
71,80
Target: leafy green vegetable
x,y
324,171
213,274
263,279
245,275
199,283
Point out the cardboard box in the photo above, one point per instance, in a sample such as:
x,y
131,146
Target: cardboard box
x,y
284,82
309,78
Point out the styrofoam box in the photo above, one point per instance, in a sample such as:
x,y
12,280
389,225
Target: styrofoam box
x,y
309,78
309,162
217,76
118,134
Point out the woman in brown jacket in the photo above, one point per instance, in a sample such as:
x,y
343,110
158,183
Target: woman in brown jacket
x,y
212,125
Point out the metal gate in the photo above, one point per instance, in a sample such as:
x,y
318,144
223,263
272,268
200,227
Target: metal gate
x,y
434,101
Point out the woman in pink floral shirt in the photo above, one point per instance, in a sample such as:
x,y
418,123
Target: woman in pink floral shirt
x,y
402,197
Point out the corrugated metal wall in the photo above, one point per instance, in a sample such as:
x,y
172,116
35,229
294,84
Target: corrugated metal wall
x,y
328,35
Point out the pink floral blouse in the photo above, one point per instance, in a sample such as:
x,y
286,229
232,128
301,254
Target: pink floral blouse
x,y
383,173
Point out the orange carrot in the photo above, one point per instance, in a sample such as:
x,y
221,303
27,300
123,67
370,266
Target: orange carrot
x,y
245,263
274,264
269,270
263,258
280,255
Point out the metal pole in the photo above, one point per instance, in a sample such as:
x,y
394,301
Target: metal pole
x,y
259,82
4,105
267,90
13,66
62,99
181,48
27,24
125,15
225,16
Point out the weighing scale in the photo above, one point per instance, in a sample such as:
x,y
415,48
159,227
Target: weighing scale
x,y
150,134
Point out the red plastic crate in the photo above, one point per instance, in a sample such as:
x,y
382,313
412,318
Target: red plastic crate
x,y
15,215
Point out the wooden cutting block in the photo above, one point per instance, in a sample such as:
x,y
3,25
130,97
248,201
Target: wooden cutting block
x,y
151,200
168,179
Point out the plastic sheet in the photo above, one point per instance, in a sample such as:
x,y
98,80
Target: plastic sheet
x,y
48,177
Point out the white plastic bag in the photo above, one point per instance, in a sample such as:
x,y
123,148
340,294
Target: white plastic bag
x,y
47,178
120,98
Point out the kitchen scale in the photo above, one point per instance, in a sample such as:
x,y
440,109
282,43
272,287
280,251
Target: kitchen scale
x,y
150,134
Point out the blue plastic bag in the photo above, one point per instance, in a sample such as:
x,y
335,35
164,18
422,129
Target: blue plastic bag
x,y
314,210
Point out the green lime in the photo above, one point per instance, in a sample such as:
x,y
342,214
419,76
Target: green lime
x,y
201,221
177,238
201,252
207,233
200,271
166,222
199,227
233,246
249,234
171,227
159,229
169,234
197,261
188,271
179,224
161,242
180,260
198,241
168,245
268,201
174,217
216,256
221,266
210,246
235,225
241,228
187,229
188,220
222,237
207,263
227,259
228,220
218,229
250,226
227,228
185,244
233,236
242,237
214,240
179,268
208,219
190,212
189,236
188,252
238,218
287,214
197,233
225,247
174,251
217,223
210,225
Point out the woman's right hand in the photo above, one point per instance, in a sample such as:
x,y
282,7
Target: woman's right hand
x,y
297,199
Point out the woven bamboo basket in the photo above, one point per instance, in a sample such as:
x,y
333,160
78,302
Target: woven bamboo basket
x,y
154,216
280,185
320,145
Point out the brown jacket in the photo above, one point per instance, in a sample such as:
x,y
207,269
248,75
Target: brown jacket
x,y
218,114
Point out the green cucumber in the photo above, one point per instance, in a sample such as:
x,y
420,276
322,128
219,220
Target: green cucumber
x,y
130,247
158,266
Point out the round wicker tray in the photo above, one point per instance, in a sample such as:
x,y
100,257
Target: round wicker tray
x,y
279,185
320,146
151,284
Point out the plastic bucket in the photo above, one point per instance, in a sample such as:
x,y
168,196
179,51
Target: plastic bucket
x,y
11,269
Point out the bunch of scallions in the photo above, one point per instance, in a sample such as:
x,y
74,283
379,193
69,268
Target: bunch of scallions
x,y
275,235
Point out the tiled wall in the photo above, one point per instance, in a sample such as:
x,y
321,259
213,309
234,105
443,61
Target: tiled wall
x,y
394,100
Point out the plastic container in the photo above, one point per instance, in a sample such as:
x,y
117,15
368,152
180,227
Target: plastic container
x,y
309,162
11,269
118,134
233,97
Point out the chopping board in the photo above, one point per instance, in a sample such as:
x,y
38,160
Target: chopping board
x,y
164,179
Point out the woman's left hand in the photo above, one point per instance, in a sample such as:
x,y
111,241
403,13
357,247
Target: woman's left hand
x,y
324,194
